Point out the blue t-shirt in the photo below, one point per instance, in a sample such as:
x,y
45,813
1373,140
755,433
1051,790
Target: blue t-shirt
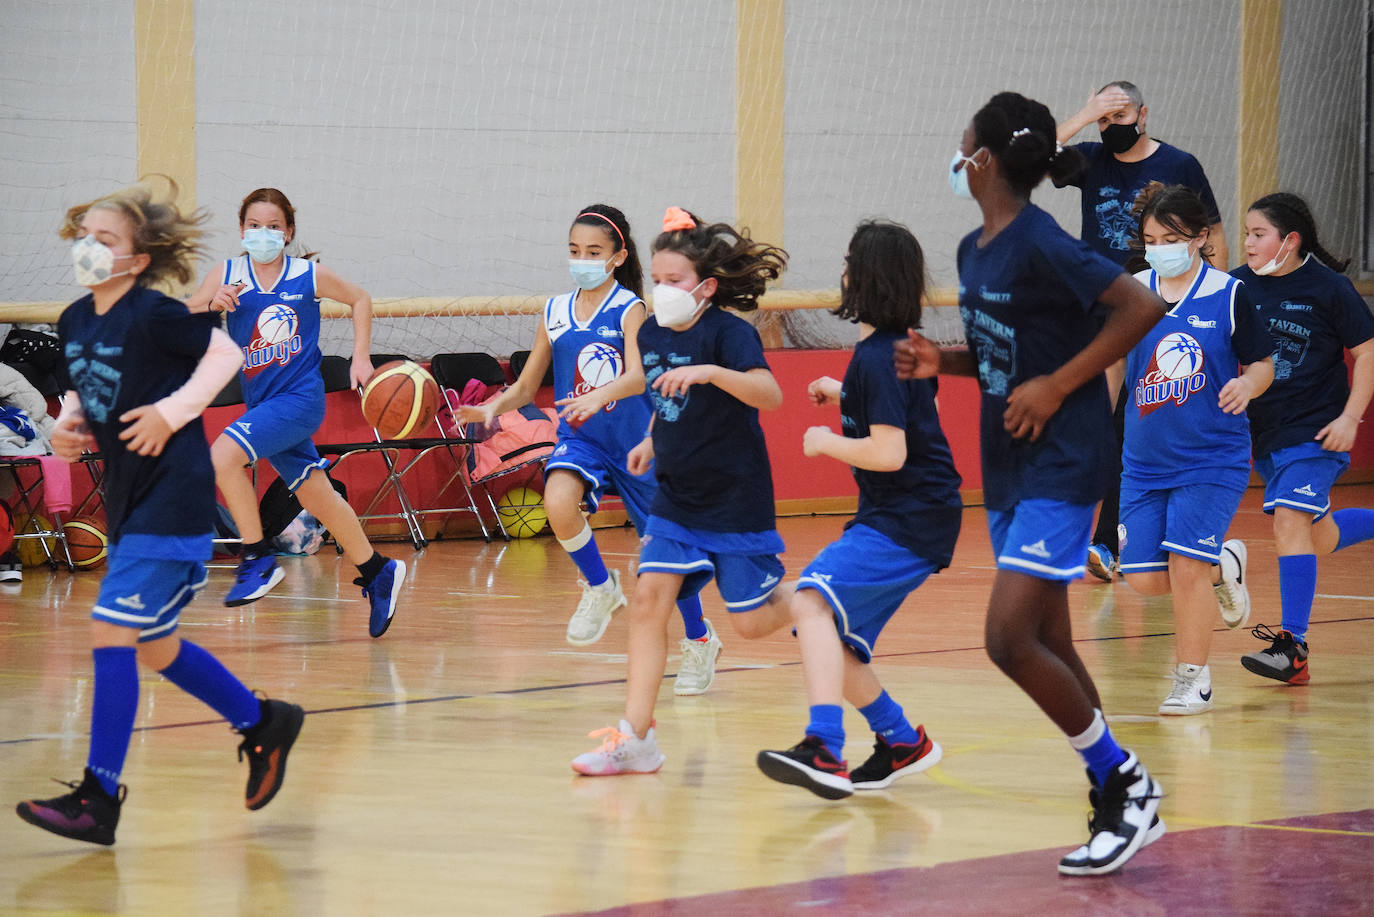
x,y
1025,300
1175,431
588,355
917,506
1110,187
278,329
1313,314
141,350
709,454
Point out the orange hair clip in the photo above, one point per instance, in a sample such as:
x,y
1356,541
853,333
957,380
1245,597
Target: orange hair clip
x,y
675,218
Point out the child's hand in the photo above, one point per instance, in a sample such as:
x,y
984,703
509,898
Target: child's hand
x,y
577,411
814,438
824,390
1030,406
915,358
1235,395
476,413
641,457
147,432
676,381
360,370
226,298
1339,434
71,437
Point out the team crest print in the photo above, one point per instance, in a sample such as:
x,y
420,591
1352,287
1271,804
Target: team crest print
x,y
598,364
1174,373
277,338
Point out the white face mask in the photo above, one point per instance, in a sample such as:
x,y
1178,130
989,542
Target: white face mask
x,y
93,262
264,245
1274,263
675,307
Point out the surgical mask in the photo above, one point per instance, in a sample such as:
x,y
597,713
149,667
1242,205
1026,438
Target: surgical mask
x,y
675,307
264,245
93,262
588,274
1274,263
958,181
1118,138
1169,260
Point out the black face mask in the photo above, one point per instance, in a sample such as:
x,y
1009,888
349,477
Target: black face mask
x,y
1118,138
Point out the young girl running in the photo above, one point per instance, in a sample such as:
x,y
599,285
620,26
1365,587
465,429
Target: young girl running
x,y
1186,459
905,529
1026,288
713,513
1304,426
138,371
590,335
272,303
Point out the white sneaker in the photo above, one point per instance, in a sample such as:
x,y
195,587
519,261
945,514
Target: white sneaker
x,y
594,610
698,668
1232,595
621,752
1191,693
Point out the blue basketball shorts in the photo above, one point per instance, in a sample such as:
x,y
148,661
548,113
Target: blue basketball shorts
x,y
279,430
1190,520
744,565
1047,539
865,577
147,593
603,472
1300,477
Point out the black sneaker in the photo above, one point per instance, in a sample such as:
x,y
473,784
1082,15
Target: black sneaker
x,y
890,761
1285,660
87,813
11,569
1124,816
267,745
810,764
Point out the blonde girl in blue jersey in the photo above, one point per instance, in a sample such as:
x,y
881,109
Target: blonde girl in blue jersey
x,y
593,332
1186,460
271,303
139,369
713,515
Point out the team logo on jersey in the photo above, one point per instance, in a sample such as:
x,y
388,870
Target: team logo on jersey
x,y
598,364
670,409
1199,323
610,332
1173,374
277,339
96,383
1291,340
291,297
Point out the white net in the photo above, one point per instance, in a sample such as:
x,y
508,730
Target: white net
x,y
438,151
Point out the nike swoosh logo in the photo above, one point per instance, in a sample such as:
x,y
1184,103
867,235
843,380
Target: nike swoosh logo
x,y
1207,696
899,763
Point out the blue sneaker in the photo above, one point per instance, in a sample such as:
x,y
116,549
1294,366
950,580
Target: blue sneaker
x,y
1101,563
382,593
255,578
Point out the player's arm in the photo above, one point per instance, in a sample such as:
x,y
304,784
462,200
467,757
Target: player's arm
x,y
1099,105
1339,434
149,426
918,357
522,391
1221,253
755,387
70,435
1254,378
330,285
1116,375
213,296
628,384
883,449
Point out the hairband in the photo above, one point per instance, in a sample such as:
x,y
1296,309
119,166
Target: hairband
x,y
609,221
675,218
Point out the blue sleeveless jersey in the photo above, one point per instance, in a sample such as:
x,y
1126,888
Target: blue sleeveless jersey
x,y
278,329
588,355
1175,431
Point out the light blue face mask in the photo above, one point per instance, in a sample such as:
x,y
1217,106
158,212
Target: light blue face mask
x,y
1169,260
588,274
263,245
958,180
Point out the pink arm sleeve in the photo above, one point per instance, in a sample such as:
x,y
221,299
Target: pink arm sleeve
x,y
222,359
71,406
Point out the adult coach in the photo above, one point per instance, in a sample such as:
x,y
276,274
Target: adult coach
x,y
1117,170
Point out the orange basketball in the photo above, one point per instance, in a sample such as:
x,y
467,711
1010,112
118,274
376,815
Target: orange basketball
x,y
86,541
400,399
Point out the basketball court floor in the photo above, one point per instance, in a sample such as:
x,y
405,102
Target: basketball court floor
x,y
432,773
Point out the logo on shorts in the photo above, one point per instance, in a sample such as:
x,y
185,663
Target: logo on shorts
x,y
770,580
1306,490
1037,550
243,426
823,577
1210,541
131,601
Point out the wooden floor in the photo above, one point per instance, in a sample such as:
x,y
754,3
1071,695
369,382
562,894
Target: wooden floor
x,y
432,774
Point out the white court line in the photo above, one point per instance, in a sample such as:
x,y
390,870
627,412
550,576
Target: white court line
x,y
308,598
609,657
1353,598
488,595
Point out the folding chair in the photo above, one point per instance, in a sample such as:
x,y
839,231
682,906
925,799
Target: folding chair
x,y
517,366
25,500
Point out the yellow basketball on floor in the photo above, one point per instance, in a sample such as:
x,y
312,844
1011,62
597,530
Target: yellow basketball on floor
x,y
30,550
522,512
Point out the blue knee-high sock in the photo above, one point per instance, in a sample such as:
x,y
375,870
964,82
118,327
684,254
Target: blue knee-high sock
x,y
112,712
886,718
584,552
827,724
203,677
1099,750
692,620
1297,586
1355,525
